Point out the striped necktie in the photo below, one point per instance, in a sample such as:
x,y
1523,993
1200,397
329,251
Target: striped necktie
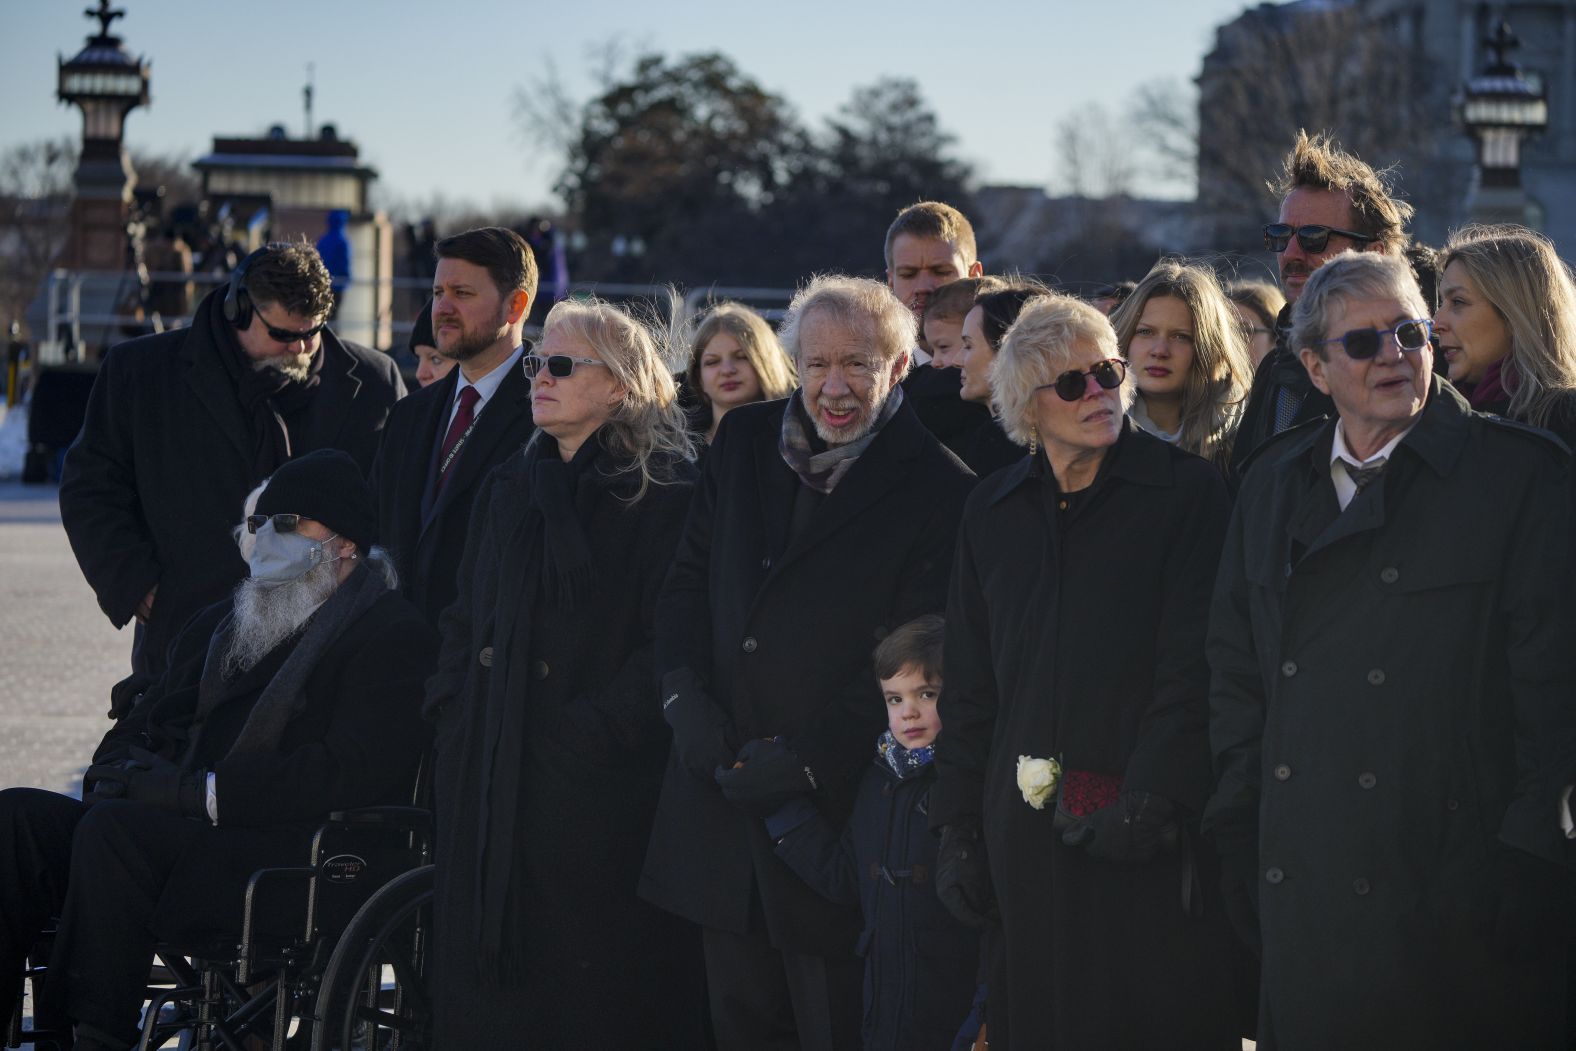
x,y
1363,477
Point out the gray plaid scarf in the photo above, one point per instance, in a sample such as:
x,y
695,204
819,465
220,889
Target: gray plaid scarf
x,y
823,470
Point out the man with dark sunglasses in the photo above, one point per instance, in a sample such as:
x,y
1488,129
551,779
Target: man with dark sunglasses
x,y
1331,202
442,440
1390,702
182,424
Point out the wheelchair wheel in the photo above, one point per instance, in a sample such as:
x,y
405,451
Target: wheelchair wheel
x,y
373,995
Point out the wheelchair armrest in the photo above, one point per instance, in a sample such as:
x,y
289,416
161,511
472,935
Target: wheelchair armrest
x,y
246,948
409,818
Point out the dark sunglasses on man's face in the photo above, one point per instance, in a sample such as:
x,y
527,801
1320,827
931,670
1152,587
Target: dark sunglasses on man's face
x,y
1314,239
284,522
284,335
1070,385
1363,343
558,366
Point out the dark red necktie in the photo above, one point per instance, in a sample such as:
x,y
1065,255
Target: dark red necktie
x,y
462,423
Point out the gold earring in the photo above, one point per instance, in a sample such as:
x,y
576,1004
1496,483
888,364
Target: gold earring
x,y
1034,438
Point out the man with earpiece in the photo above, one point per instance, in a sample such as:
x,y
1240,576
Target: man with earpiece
x,y
183,424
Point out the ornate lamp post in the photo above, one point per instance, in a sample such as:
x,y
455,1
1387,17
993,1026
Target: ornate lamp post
x,y
105,83
1500,109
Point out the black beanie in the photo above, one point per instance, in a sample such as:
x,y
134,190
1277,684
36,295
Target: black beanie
x,y
324,485
421,334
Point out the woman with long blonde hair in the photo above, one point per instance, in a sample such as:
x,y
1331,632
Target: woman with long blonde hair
x,y
1189,359
1506,325
550,745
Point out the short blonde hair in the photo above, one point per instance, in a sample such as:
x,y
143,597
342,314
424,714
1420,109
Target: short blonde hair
x,y
1038,348
856,302
760,344
647,426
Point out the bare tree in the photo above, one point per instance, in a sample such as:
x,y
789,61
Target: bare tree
x,y
35,217
1320,67
1094,155
1163,115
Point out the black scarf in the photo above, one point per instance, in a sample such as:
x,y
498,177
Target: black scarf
x,y
268,396
283,698
549,543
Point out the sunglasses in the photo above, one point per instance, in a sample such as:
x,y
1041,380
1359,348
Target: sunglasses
x,y
559,366
284,335
283,522
1363,343
1070,385
1312,238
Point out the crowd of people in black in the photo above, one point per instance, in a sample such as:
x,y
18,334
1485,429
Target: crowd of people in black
x,y
1222,636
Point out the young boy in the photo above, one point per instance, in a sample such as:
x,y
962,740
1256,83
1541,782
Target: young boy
x,y
944,314
920,962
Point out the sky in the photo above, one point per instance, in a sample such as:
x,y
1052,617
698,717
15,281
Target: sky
x,y
427,90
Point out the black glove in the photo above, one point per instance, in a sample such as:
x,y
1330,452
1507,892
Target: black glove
x,y
1136,827
963,877
699,726
151,779
770,776
1535,905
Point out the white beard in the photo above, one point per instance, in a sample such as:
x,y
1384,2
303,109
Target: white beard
x,y
266,616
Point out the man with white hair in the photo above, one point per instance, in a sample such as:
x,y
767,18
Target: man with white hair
x,y
297,697
1390,702
823,522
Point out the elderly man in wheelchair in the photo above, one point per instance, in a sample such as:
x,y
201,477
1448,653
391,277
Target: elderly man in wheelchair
x,y
296,697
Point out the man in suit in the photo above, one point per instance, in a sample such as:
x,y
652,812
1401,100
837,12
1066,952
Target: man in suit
x,y
182,425
822,522
441,441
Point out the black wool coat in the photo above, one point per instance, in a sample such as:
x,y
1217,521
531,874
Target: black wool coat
x,y
427,547
781,632
965,427
155,483
920,962
1280,368
600,968
1078,634
1390,710
356,742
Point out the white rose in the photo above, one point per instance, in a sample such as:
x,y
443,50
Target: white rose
x,y
1037,779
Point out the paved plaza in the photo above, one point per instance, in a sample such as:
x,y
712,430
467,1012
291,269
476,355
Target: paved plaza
x,y
59,656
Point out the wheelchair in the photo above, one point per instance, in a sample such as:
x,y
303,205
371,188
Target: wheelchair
x,y
332,954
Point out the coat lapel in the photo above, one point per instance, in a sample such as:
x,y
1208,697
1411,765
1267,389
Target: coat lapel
x,y
339,376
776,482
213,386
880,469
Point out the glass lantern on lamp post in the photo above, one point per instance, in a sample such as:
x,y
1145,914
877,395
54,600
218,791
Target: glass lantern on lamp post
x,y
1500,109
